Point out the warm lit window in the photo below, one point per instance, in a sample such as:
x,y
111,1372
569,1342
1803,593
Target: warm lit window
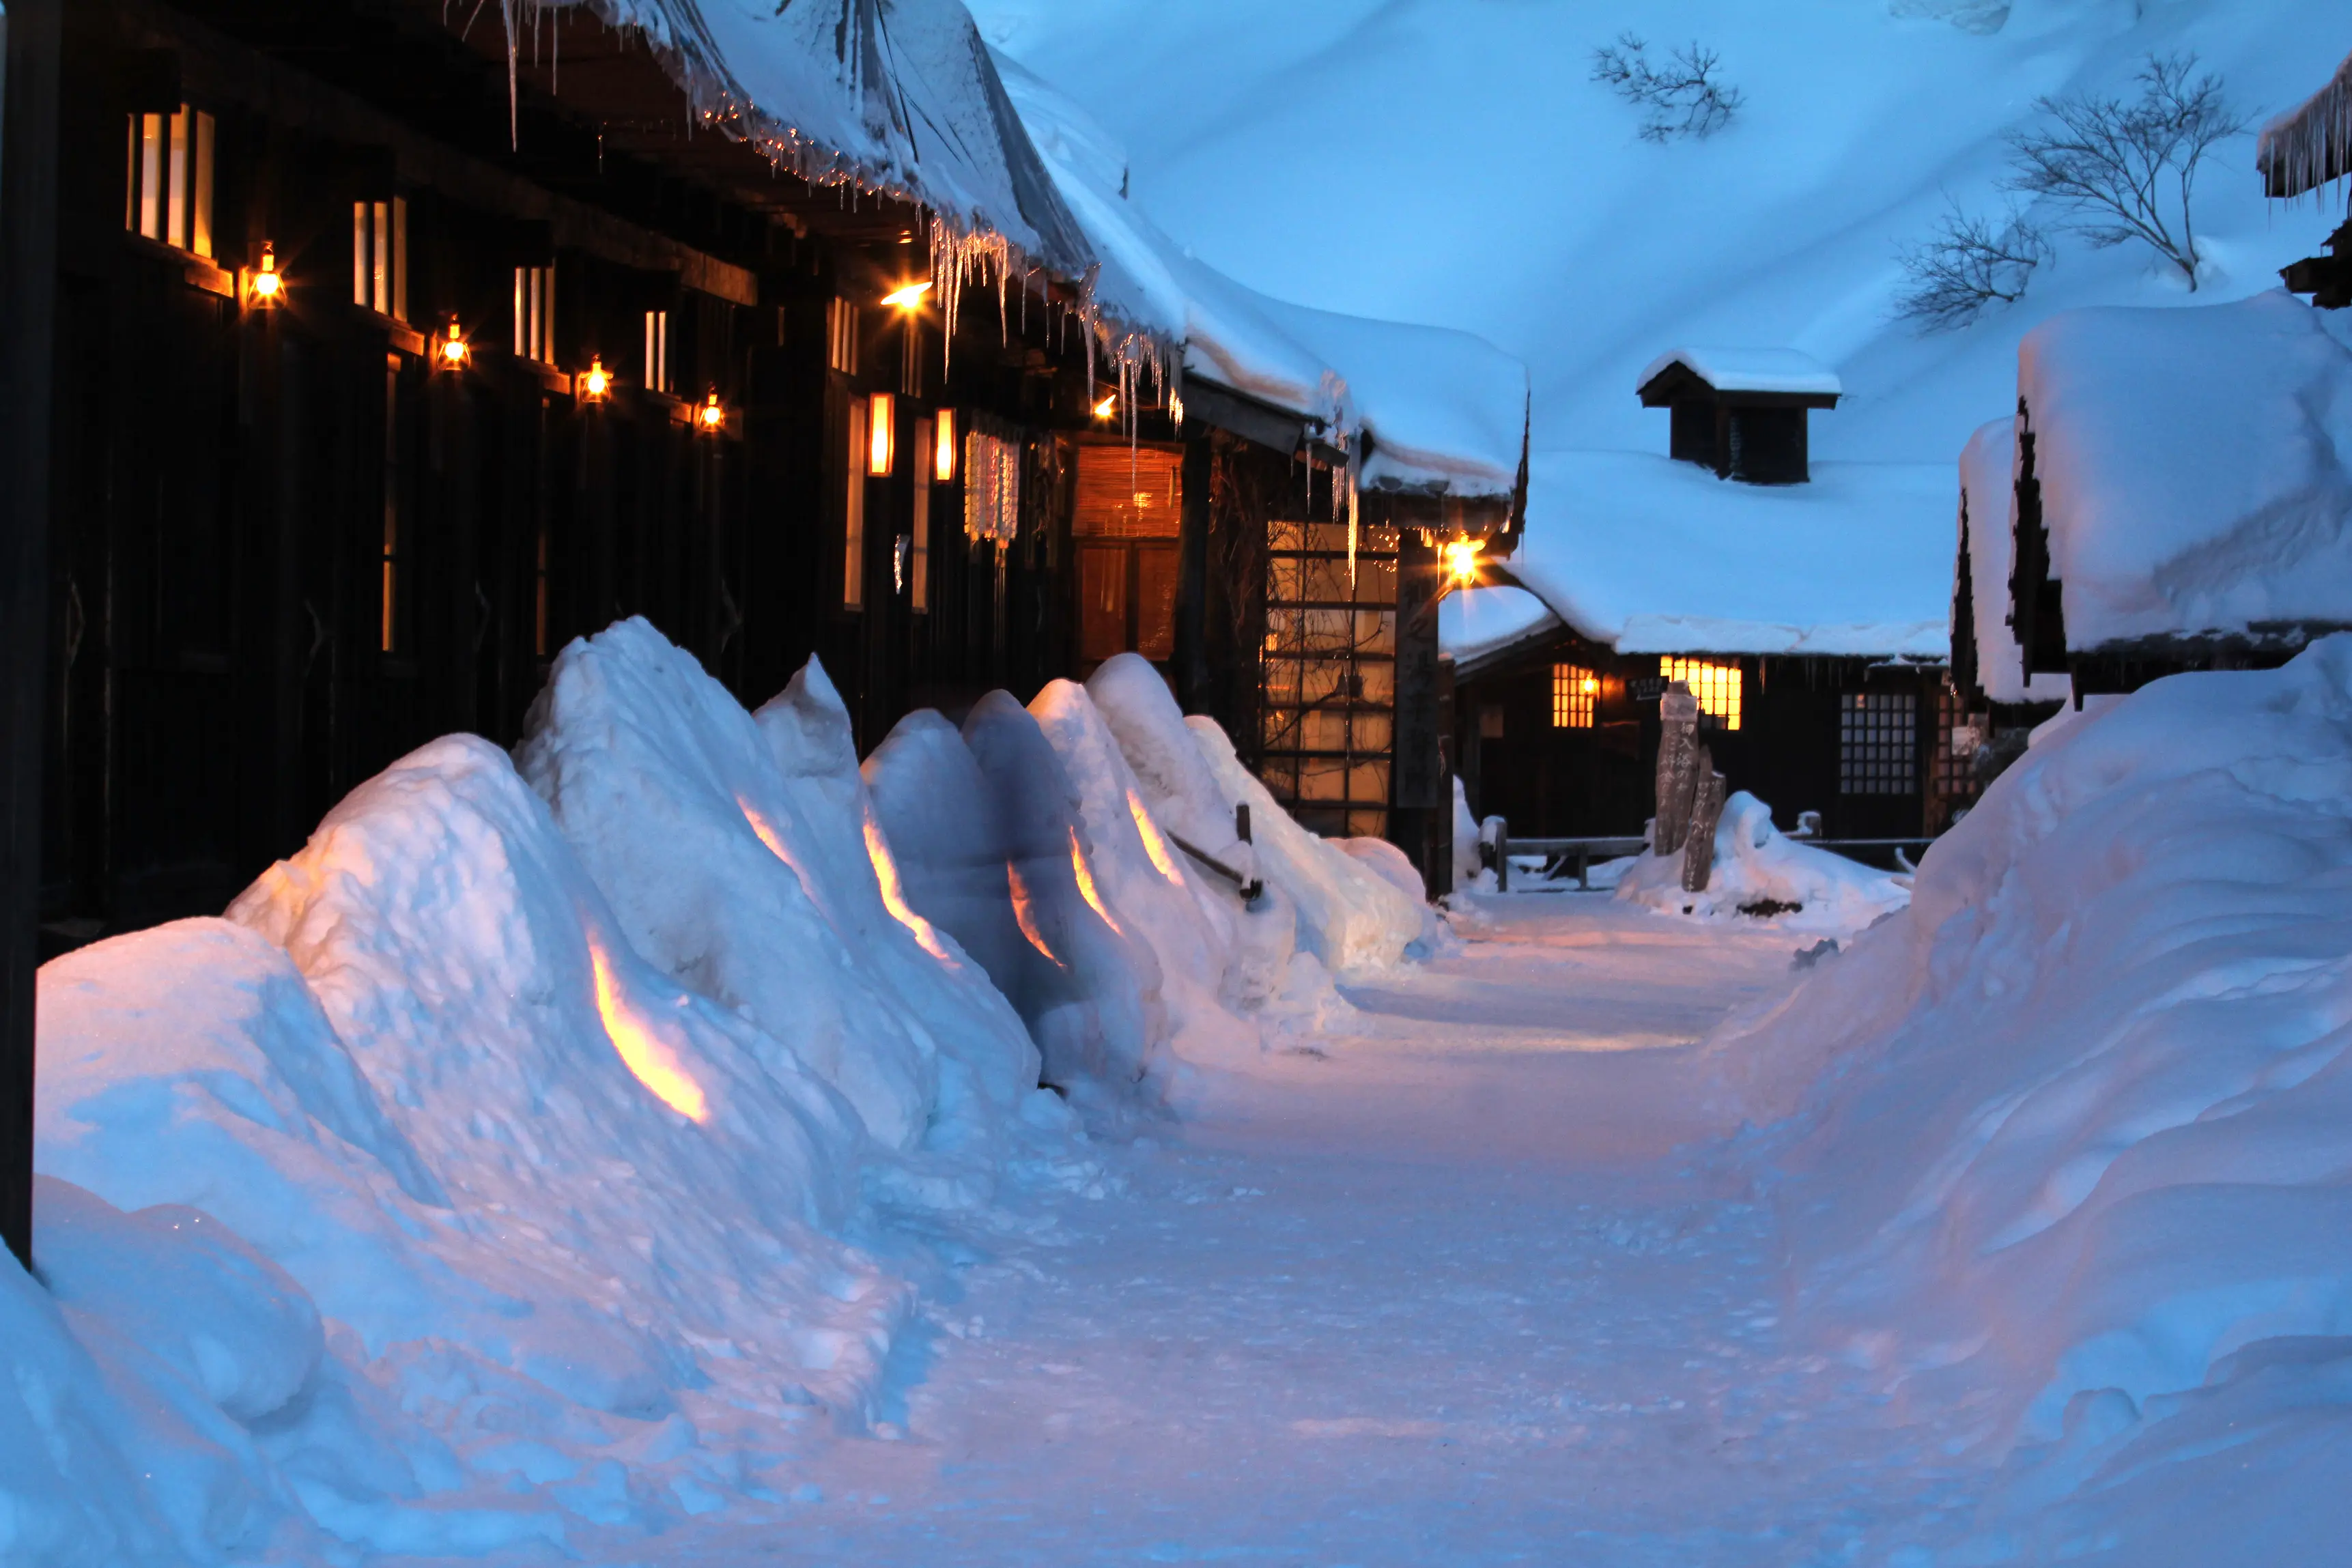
x,y
944,456
918,563
170,190
1878,743
841,337
1717,688
380,258
1574,692
853,533
657,351
534,314
881,434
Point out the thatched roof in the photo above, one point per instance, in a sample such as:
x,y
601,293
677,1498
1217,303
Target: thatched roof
x,y
887,98
2310,145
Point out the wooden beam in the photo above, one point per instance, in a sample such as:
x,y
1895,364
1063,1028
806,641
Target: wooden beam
x,y
31,35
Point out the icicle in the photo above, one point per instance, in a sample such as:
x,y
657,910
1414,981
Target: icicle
x,y
1352,523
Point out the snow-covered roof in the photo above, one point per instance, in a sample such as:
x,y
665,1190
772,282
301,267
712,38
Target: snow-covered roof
x,y
2196,467
1750,371
900,96
1649,555
1446,411
1989,492
2311,143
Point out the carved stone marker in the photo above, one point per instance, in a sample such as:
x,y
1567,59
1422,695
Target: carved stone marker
x,y
1677,765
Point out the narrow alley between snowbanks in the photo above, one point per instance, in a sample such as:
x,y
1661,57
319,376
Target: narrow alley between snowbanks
x,y
1454,1282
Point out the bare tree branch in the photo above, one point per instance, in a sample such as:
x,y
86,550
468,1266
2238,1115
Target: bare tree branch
x,y
1968,265
2128,170
1680,99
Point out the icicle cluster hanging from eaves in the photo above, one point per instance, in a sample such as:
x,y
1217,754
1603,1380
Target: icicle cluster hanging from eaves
x,y
2311,146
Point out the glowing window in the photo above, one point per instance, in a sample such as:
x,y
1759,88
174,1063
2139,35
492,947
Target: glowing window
x,y
1574,691
1717,688
170,193
534,314
380,258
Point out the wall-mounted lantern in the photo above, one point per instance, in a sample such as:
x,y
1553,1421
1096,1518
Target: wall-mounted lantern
x,y
450,350
943,450
596,381
1108,407
266,286
711,418
1462,560
908,298
881,434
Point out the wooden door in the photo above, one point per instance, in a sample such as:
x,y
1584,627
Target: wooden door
x,y
1125,523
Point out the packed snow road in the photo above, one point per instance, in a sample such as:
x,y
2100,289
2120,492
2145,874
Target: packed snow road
x,y
1439,1288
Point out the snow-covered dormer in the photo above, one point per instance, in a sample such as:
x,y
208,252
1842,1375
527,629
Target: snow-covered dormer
x,y
1741,412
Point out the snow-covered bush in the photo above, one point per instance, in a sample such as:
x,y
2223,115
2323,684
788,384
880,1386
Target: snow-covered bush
x,y
1758,870
2076,1127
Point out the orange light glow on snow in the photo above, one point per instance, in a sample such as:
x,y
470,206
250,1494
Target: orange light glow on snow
x,y
1154,844
894,896
775,843
1087,884
1024,910
646,1053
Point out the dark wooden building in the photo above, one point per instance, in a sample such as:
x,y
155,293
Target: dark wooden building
x,y
1559,735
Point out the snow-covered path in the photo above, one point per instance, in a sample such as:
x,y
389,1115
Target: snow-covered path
x,y
1441,1293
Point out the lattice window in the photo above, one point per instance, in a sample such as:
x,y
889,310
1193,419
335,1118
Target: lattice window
x,y
841,336
380,258
1717,686
1328,676
534,314
169,190
1574,692
1878,743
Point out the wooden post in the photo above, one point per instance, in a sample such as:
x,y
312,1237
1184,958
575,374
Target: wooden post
x,y
1707,811
30,37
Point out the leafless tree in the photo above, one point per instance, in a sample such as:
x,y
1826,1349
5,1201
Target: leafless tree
x,y
1682,97
2126,170
1968,265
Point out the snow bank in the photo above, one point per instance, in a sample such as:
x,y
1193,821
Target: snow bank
x,y
2075,1128
1145,885
991,847
1756,866
1345,917
567,1223
2196,467
668,793
1989,491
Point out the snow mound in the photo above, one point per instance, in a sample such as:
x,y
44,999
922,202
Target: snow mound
x,y
1342,915
669,794
2071,1145
1142,878
1759,869
2196,467
568,1216
991,848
